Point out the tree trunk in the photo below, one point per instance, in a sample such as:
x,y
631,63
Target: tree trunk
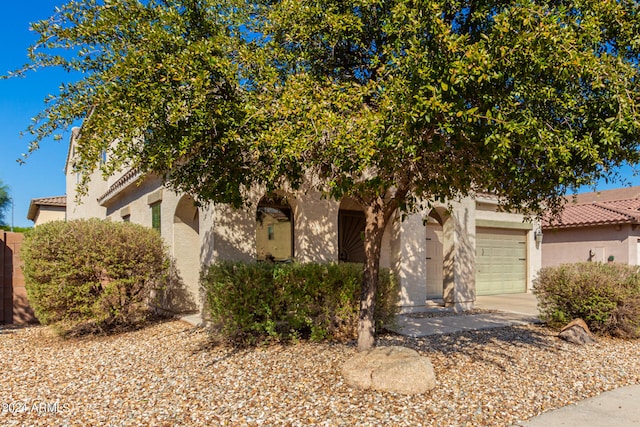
x,y
375,224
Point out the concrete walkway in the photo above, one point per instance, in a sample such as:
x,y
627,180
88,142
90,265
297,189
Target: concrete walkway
x,y
618,407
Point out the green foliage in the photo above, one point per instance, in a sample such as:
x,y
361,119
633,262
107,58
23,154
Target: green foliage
x,y
523,99
91,275
391,102
16,229
261,302
5,201
605,296
158,71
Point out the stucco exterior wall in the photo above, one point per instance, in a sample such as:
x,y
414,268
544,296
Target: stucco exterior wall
x,y
316,228
198,237
49,213
591,244
410,265
180,228
87,205
234,233
460,294
134,202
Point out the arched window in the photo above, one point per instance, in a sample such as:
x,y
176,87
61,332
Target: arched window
x,y
274,229
351,224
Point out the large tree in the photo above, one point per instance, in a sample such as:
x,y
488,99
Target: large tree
x,y
390,102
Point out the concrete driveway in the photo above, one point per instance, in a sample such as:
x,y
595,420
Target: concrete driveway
x,y
510,303
509,310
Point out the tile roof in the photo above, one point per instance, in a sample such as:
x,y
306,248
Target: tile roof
x,y
607,195
130,177
57,201
51,201
609,212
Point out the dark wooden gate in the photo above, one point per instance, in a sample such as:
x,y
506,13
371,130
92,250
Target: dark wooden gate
x,y
14,306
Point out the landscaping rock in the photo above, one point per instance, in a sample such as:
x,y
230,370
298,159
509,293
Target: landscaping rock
x,y
392,369
577,332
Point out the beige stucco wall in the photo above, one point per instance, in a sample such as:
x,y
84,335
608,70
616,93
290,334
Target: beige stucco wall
x,y
134,201
86,206
224,233
182,238
574,244
316,228
46,214
460,289
409,246
409,259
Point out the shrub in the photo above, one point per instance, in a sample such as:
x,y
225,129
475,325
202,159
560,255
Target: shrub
x,y
92,275
259,302
605,296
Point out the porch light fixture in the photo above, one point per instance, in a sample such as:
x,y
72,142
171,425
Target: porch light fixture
x,y
537,235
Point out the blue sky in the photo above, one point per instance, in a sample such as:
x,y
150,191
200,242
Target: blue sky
x,y
22,98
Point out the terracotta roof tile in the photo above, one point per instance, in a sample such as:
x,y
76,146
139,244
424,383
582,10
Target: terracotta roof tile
x,y
607,195
597,213
51,201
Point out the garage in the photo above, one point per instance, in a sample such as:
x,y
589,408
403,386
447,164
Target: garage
x,y
501,261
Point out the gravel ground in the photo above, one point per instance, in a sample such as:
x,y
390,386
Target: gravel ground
x,y
171,374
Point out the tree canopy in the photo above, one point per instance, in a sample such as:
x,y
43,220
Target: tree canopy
x,y
390,102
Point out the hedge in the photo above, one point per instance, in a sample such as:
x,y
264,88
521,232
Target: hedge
x,y
91,275
605,296
264,302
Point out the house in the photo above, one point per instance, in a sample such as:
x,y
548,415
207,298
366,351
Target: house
x,y
600,226
448,254
47,209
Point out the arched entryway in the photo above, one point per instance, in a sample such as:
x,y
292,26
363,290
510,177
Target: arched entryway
x,y
274,229
351,225
439,246
186,245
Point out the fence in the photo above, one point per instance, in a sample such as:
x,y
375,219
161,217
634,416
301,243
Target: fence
x,y
14,307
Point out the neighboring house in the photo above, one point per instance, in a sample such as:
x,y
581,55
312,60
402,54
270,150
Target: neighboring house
x,y
450,253
601,226
47,209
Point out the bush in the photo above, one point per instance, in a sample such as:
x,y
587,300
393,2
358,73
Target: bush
x,y
91,275
261,302
605,296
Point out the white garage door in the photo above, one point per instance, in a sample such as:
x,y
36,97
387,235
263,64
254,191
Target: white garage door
x,y
501,261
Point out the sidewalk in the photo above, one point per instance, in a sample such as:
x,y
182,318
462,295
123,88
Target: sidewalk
x,y
618,407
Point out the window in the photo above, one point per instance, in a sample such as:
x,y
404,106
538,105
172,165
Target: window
x,y
274,230
126,218
155,217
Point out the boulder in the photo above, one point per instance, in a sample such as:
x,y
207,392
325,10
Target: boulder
x,y
577,332
392,369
